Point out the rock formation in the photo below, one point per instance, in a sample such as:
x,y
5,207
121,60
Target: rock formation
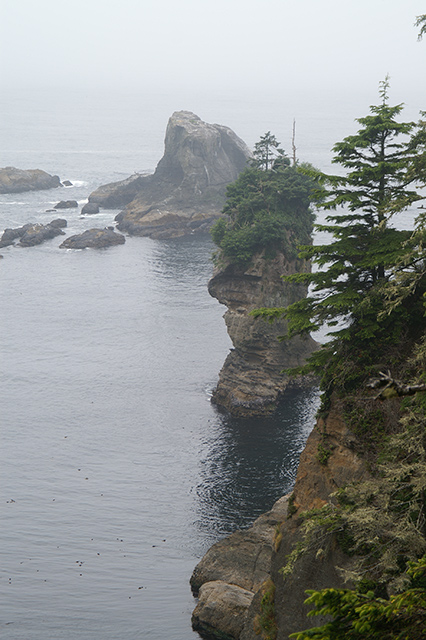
x,y
231,572
89,208
30,235
94,239
251,381
234,559
66,204
187,190
14,180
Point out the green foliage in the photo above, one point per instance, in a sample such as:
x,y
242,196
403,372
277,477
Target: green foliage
x,y
421,22
266,209
371,278
266,152
267,621
358,616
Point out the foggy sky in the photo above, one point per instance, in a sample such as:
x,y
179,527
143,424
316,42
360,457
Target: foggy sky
x,y
326,45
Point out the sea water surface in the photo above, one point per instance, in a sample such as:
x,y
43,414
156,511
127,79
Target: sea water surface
x,y
117,473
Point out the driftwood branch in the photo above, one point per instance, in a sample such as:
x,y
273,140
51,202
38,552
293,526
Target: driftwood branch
x,y
392,387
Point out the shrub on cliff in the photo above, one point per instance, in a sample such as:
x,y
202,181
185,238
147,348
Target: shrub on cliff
x,y
267,207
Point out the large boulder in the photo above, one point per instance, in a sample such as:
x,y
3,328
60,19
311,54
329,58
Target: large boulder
x,y
244,557
14,180
94,239
221,610
66,204
90,208
32,234
186,193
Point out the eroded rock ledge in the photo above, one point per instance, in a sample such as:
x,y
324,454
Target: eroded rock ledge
x,y
251,381
186,193
251,560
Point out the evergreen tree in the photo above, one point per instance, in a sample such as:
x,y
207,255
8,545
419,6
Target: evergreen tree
x,y
266,209
266,152
347,291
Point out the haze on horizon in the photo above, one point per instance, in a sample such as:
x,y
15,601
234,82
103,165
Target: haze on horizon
x,y
325,46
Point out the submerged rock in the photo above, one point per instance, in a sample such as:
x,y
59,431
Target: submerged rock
x,y
186,193
33,234
14,180
251,381
94,238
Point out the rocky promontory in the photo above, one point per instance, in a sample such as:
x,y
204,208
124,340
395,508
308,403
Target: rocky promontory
x,y
186,193
251,381
14,180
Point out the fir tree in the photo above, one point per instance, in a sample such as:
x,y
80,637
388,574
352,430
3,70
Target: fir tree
x,y
347,290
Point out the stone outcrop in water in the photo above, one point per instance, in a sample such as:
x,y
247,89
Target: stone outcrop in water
x,y
94,239
251,381
313,570
30,235
186,193
66,204
14,180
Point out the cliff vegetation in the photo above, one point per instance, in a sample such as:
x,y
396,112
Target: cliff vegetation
x,y
370,291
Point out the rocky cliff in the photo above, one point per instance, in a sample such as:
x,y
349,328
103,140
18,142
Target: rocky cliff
x,y
241,565
251,381
186,193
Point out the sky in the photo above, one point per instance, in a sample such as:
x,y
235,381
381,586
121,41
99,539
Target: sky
x,y
216,45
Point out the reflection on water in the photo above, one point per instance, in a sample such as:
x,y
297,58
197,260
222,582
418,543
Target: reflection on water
x,y
249,463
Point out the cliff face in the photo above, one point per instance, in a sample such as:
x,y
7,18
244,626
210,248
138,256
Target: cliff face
x,y
251,382
186,193
314,570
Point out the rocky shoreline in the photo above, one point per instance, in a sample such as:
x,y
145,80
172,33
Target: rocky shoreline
x,y
240,574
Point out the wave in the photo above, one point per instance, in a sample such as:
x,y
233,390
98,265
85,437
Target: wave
x,y
77,183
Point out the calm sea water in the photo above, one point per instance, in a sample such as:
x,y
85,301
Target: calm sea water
x,y
117,473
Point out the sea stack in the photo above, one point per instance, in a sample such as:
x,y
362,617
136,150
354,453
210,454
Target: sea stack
x,y
186,193
252,381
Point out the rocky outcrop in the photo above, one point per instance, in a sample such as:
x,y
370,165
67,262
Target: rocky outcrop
x,y
94,239
90,208
251,381
30,235
231,572
221,610
66,204
14,180
318,568
244,557
186,193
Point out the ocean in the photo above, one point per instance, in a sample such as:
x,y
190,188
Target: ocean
x,y
117,472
